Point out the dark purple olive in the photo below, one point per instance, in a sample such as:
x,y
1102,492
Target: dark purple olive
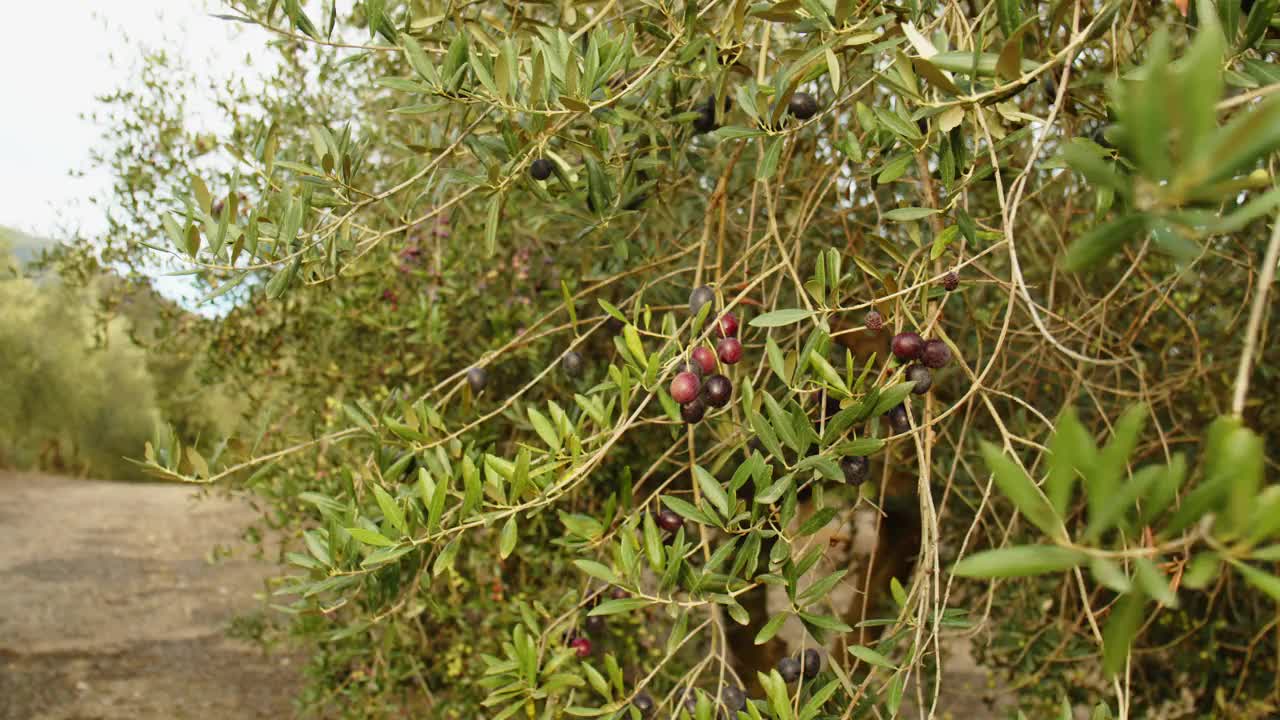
x,y
802,105
789,669
669,521
717,390
693,411
594,624
733,698
899,421
855,469
541,169
700,296
935,354
572,363
922,378
812,663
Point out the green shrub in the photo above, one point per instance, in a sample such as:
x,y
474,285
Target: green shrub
x,y
82,379
71,396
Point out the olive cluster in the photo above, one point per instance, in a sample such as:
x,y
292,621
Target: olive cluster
x,y
697,384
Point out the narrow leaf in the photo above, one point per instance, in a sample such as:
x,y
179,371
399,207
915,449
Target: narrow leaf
x,y
510,533
1018,561
1015,484
871,657
779,318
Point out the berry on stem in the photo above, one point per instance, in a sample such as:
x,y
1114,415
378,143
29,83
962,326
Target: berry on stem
x,y
684,388
874,321
789,669
907,346
581,645
950,281
899,421
704,358
594,624
700,296
728,325
572,363
669,521
692,412
733,698
802,105
936,354
477,378
855,469
717,390
644,703
730,350
922,378
690,366
812,663
540,169
705,122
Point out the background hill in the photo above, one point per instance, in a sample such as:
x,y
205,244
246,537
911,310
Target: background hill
x,y
22,247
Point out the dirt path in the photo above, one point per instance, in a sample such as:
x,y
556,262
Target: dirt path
x,y
110,607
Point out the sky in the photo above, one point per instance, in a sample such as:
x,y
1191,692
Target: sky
x,y
68,53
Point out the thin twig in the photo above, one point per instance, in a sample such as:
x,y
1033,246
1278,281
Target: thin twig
x,y
1268,275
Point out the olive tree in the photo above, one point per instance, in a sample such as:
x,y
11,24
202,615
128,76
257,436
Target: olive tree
x,y
632,358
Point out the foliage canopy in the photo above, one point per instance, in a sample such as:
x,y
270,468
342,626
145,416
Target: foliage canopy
x,y
1098,175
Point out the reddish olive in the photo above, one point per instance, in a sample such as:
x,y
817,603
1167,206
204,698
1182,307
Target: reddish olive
x,y
581,645
705,359
730,350
728,325
907,346
685,387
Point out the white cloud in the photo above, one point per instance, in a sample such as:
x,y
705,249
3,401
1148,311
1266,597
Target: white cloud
x,y
58,58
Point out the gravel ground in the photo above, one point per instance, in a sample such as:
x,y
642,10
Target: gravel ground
x,y
111,607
